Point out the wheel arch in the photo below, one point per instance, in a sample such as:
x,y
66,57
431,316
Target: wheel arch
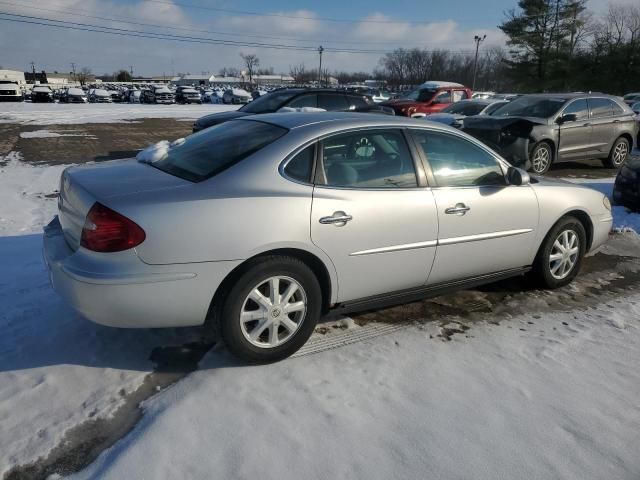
x,y
583,217
328,282
628,137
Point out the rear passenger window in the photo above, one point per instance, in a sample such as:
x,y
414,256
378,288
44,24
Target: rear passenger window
x,y
368,159
356,101
300,167
617,109
456,162
304,101
600,107
332,103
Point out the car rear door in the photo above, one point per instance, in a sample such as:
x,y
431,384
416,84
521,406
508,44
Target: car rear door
x,y
604,132
372,213
575,136
485,225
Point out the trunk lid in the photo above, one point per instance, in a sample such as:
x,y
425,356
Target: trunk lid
x,y
81,187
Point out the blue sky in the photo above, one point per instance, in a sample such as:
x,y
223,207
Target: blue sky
x,y
377,26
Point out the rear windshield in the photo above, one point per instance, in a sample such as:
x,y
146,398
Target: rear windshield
x,y
269,102
209,152
465,108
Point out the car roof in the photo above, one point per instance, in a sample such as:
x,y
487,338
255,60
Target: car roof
x,y
291,120
570,96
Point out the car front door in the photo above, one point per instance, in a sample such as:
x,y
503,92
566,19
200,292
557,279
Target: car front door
x,y
485,225
372,213
575,135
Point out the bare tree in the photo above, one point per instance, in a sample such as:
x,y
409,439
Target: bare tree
x,y
252,62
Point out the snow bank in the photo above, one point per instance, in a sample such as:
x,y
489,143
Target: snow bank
x,y
62,113
50,134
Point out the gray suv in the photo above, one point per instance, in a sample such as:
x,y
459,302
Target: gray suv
x,y
535,131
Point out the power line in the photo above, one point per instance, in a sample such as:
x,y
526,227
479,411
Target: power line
x,y
63,24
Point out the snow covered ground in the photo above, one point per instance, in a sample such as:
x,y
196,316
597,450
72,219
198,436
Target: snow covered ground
x,y
537,396
65,113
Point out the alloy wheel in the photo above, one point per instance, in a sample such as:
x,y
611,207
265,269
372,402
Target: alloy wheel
x,y
620,153
273,311
564,254
540,160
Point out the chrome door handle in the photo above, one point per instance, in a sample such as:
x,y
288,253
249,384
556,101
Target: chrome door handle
x,y
338,219
459,209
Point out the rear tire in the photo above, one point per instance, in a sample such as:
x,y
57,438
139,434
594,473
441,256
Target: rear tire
x,y
541,158
618,154
262,324
560,256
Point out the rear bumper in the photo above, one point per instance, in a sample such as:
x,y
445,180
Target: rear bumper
x,y
119,290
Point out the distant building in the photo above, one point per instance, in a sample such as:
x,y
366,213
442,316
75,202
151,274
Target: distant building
x,y
195,80
55,79
273,79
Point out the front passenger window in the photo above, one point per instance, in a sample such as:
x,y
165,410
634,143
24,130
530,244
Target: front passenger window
x,y
304,101
456,162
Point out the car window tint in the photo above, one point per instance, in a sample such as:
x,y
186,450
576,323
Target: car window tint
x,y
443,97
356,101
304,101
299,167
456,162
368,159
600,107
579,108
332,102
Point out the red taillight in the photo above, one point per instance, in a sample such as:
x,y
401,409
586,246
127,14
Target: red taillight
x,y
108,231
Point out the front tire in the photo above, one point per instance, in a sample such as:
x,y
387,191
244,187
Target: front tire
x,y
618,154
271,310
560,256
541,158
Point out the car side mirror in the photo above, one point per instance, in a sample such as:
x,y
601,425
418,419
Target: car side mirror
x,y
567,117
517,176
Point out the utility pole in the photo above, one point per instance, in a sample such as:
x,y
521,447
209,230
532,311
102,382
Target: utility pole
x,y
131,74
33,69
478,39
320,50
73,68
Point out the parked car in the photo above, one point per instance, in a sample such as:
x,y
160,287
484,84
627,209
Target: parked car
x,y
188,95
534,131
163,95
236,96
10,91
327,99
298,204
455,113
134,96
430,97
626,190
631,98
73,95
41,94
98,95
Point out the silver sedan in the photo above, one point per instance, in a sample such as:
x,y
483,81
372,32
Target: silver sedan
x,y
258,226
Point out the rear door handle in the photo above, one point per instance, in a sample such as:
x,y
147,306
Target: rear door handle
x,y
339,219
459,209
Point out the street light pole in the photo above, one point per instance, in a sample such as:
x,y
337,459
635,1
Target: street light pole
x,y
320,50
478,39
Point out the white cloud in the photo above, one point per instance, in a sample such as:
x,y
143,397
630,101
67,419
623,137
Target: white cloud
x,y
55,49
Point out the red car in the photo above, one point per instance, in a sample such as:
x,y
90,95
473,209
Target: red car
x,y
430,97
